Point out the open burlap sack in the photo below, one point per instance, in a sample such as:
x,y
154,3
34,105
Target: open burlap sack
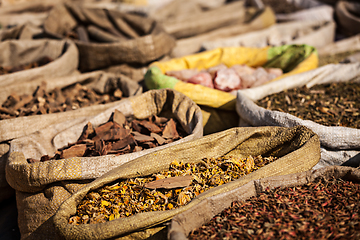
x,y
147,42
14,53
313,33
204,211
338,144
297,149
18,127
186,46
42,187
99,81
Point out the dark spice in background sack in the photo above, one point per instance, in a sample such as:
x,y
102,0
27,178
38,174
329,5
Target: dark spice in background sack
x,y
335,104
163,191
41,62
335,58
120,136
324,209
57,100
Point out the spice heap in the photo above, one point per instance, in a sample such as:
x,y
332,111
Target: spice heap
x,y
226,79
41,62
57,100
164,190
326,209
120,136
335,58
334,104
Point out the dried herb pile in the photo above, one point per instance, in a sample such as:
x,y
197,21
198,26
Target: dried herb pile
x,y
334,58
164,190
41,62
335,104
120,136
325,209
57,100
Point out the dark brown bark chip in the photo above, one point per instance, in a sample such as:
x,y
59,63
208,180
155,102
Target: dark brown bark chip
x,y
170,130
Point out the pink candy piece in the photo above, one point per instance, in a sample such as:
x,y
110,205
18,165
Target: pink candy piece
x,y
203,78
277,72
243,69
227,80
216,68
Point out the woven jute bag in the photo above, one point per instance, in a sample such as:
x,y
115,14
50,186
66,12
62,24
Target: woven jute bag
x,y
151,44
204,211
98,81
297,149
13,53
41,187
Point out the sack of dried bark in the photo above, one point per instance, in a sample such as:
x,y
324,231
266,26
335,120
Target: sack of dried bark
x,y
201,213
339,138
108,37
294,149
19,60
292,59
53,100
42,186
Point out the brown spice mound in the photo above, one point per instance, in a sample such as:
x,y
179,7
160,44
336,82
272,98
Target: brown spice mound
x,y
120,136
324,209
41,62
57,100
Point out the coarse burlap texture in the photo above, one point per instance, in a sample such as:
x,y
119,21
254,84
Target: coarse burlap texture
x,y
313,33
14,53
99,81
21,32
186,46
297,149
200,214
42,187
338,144
152,43
200,22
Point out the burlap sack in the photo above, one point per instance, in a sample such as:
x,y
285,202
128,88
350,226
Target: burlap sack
x,y
338,144
297,149
186,46
18,52
42,187
18,127
151,44
313,33
182,224
344,45
200,22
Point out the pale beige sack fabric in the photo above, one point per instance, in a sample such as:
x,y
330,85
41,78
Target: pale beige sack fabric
x,y
21,32
345,45
313,33
320,13
182,224
14,53
42,187
187,46
297,149
338,144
